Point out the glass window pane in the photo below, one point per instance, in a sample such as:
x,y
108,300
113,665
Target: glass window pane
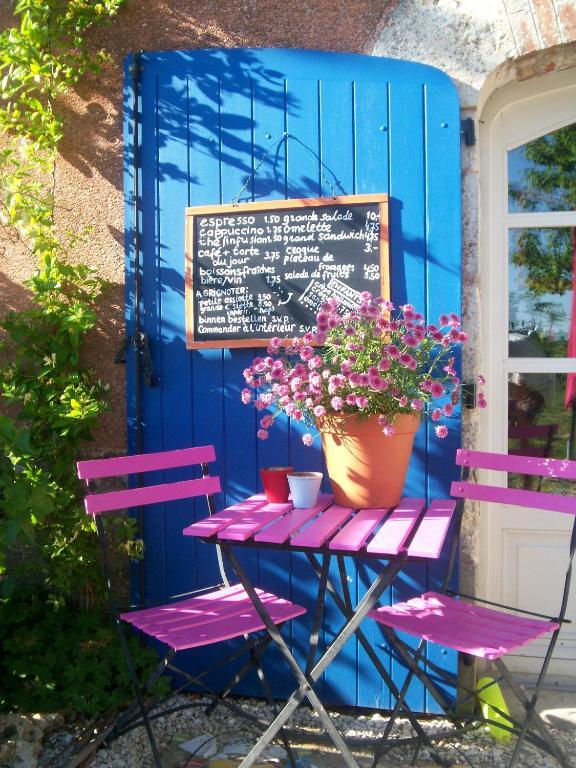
x,y
542,173
540,272
539,424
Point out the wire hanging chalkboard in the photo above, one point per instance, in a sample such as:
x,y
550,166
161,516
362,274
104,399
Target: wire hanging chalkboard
x,y
258,270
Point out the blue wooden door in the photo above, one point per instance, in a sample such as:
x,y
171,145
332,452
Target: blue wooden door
x,y
280,124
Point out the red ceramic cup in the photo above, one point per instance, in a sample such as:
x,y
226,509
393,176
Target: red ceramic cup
x,y
275,483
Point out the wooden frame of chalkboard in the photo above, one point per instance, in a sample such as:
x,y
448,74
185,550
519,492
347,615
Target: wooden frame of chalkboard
x,y
259,270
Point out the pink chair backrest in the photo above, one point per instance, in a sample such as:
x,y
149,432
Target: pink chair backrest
x,y
98,503
523,465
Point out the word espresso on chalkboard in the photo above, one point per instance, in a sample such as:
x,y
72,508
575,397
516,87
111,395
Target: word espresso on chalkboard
x,y
258,270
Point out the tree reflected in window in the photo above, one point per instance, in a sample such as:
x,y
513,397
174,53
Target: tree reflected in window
x,y
542,173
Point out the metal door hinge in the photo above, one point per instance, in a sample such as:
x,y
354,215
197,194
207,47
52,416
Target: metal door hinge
x,y
142,347
469,395
468,132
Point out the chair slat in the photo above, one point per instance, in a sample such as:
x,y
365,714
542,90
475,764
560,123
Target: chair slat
x,y
560,468
551,502
96,504
148,462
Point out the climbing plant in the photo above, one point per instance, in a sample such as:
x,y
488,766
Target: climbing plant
x,y
49,399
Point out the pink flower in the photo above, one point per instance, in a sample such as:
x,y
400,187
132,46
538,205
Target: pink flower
x,y
408,361
436,389
346,367
351,399
392,351
410,340
361,402
417,405
246,396
319,411
306,353
403,402
436,414
481,380
307,439
441,430
448,409
443,321
262,434
267,421
481,400
337,403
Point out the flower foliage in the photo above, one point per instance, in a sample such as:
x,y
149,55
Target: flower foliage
x,y
376,361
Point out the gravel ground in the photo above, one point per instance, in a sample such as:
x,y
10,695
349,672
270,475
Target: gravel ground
x,y
190,739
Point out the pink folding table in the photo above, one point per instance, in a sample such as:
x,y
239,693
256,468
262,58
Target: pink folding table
x,y
410,532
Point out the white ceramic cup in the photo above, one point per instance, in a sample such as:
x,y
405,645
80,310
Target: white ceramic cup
x,y
304,488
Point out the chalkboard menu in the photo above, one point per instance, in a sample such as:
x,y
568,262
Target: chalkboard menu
x,y
258,270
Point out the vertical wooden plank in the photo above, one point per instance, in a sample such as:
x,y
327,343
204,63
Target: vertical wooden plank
x,y
408,281
175,373
203,168
444,293
154,518
269,121
239,422
206,391
371,137
372,170
338,158
132,106
131,134
302,180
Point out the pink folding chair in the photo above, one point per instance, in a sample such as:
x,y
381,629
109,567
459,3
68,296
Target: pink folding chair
x,y
481,628
208,616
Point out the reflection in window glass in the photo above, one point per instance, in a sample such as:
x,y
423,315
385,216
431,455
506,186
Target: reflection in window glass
x,y
542,173
540,270
539,424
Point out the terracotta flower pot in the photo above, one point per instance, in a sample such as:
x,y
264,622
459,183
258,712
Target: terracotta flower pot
x,y
367,468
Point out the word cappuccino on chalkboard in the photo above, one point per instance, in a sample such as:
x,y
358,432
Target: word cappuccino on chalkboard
x,y
258,270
